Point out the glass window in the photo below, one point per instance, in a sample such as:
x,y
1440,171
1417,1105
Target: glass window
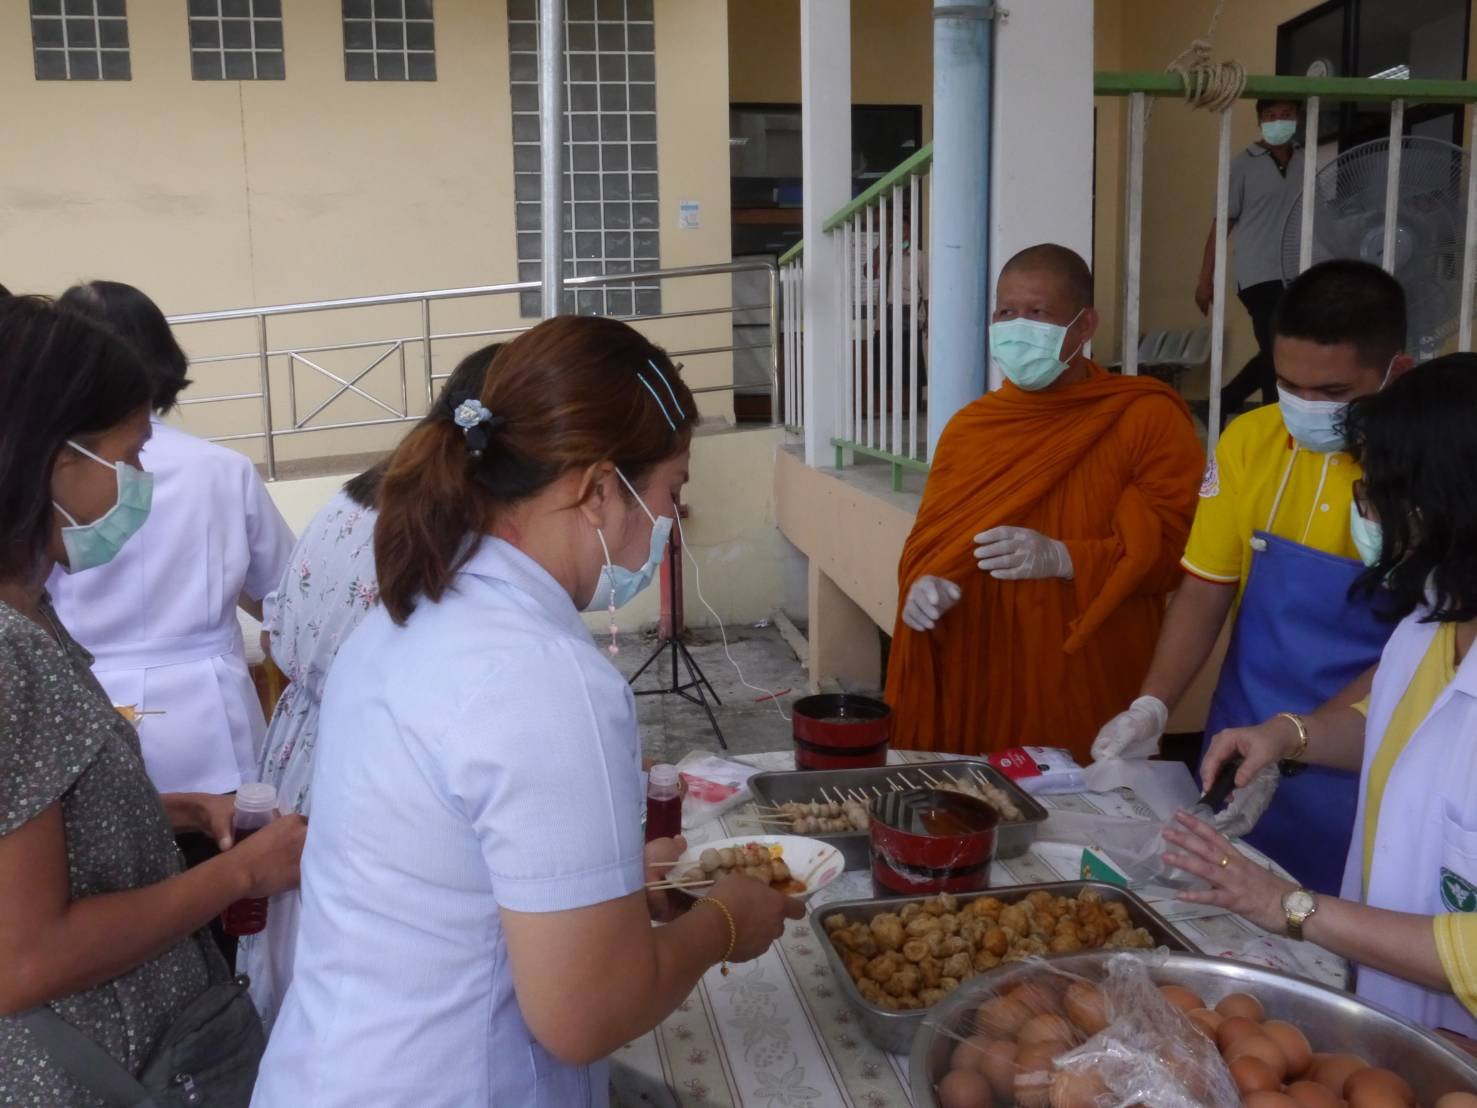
x,y
80,40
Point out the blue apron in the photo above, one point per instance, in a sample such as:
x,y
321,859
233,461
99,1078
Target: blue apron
x,y
1298,640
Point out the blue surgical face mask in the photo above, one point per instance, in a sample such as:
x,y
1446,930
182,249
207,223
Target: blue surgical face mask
x,y
89,545
618,586
1368,536
1279,132
1026,350
1314,424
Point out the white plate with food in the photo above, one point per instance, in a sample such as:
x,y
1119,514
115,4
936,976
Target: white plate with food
x,y
790,864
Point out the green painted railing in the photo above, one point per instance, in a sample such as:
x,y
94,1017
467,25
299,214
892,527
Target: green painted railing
x,y
1299,88
897,462
915,166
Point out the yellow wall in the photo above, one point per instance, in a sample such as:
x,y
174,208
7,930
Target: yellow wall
x,y
891,53
214,194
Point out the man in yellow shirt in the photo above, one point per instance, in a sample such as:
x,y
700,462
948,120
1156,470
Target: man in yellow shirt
x,y
1271,541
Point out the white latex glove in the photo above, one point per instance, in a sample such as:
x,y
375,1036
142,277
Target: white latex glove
x,y
1134,733
1020,554
1247,804
928,599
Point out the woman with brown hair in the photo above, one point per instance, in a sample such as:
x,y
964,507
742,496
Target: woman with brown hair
x,y
474,928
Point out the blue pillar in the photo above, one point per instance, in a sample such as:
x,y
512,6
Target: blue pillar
x,y
958,254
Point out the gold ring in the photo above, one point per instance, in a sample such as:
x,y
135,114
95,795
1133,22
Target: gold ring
x,y
1225,861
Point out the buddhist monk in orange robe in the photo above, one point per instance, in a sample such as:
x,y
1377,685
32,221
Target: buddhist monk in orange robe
x,y
1034,580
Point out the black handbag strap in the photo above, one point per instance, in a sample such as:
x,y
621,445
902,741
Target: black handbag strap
x,y
86,1063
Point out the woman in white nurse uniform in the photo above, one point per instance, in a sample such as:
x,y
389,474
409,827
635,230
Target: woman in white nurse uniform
x,y
474,927
160,619
1408,910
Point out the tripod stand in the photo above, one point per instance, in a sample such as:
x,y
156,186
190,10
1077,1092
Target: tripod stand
x,y
670,642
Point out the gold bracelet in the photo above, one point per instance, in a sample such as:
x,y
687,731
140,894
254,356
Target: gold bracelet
x,y
1297,721
732,929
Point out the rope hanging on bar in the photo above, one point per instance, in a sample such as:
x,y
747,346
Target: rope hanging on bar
x,y
1211,85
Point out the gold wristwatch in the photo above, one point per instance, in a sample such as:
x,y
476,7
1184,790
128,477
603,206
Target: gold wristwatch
x,y
1299,905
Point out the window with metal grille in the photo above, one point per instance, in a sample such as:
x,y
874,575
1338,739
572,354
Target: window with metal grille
x,y
611,210
236,40
80,40
389,40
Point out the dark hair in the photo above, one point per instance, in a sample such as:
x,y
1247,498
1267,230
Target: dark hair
x,y
1343,301
1272,101
465,380
572,392
4,292
1061,262
1417,442
139,322
61,377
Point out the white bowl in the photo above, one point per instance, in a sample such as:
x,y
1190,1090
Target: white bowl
x,y
810,860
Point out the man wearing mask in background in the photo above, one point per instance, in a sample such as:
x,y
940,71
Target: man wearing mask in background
x,y
1272,539
1056,508
1266,181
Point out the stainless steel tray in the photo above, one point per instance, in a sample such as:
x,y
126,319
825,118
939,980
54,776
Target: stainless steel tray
x,y
1334,1021
895,1031
1013,838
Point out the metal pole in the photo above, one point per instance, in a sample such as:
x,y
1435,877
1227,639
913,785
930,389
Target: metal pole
x,y
959,225
915,387
772,278
869,348
426,352
1218,305
1310,175
854,325
1469,244
897,319
1392,184
1134,232
269,453
551,149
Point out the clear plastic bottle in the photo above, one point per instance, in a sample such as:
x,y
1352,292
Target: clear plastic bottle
x,y
663,803
256,806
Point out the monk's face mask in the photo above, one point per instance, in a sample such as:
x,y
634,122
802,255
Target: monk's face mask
x,y
1028,351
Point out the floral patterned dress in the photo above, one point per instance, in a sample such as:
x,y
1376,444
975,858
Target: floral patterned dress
x,y
329,586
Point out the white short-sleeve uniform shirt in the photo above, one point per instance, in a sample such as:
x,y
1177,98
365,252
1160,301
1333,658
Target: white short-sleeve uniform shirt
x,y
483,756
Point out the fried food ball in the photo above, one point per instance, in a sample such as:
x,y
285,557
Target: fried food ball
x,y
958,965
887,929
915,950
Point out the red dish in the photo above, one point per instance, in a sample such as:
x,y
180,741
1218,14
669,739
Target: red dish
x,y
841,731
927,841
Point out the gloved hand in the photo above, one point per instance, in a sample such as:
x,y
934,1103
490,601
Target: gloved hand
x,y
1248,803
928,599
1020,554
1134,733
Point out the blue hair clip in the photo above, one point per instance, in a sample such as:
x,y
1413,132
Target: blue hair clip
x,y
662,377
469,413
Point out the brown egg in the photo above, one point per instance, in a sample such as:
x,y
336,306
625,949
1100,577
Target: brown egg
x,y
1002,1017
1086,1007
1241,1004
1208,1020
970,1052
1252,1075
1033,1080
1077,1090
1181,997
1268,1099
1259,1046
1048,1028
964,1089
998,1066
1310,1094
1333,1070
1457,1100
1377,1088
1233,1029
1294,1046
1036,997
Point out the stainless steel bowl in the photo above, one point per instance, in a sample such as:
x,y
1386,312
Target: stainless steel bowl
x,y
779,787
1335,1022
895,1031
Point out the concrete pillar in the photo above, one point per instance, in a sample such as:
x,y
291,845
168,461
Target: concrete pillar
x,y
1041,133
844,645
825,143
959,226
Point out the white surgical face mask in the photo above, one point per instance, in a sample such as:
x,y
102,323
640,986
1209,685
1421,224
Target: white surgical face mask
x,y
1315,424
618,586
1368,536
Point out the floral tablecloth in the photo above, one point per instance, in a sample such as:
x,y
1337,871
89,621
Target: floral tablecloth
x,y
777,1032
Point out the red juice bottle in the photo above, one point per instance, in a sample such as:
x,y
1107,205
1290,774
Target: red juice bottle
x,y
256,806
663,803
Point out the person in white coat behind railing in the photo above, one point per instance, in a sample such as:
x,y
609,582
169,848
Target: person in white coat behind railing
x,y
160,619
1407,913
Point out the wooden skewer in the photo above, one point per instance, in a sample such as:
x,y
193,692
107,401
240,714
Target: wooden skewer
x,y
658,886
934,781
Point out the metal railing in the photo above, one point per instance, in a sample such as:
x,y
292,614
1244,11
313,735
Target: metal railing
x,y
297,356
1313,91
884,292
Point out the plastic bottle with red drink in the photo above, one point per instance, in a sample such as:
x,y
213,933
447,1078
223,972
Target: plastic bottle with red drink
x,y
663,803
256,806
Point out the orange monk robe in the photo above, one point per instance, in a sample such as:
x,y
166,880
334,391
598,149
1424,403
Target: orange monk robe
x,y
1110,466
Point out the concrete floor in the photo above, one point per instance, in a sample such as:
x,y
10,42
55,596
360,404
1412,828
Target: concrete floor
x,y
671,726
